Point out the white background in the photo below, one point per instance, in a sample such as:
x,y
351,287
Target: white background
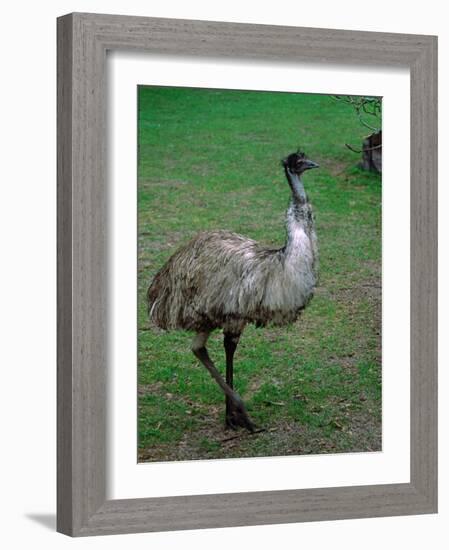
x,y
131,480
27,284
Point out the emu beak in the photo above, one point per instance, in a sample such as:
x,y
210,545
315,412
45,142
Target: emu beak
x,y
310,164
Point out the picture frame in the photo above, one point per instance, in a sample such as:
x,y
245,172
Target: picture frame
x,y
83,40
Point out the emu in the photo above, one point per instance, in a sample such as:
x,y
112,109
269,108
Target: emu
x,y
223,280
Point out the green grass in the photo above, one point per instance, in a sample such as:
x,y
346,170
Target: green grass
x,y
210,159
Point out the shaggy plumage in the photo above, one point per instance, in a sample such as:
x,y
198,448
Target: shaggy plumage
x,y
223,280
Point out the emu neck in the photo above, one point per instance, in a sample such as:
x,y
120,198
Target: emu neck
x,y
297,223
298,217
296,185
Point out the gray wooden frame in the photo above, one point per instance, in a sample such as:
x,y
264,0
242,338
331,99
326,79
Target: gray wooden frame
x,y
83,40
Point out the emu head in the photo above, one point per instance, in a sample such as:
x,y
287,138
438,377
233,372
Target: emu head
x,y
297,163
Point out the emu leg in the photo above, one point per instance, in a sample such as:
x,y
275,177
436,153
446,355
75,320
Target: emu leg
x,y
240,416
230,344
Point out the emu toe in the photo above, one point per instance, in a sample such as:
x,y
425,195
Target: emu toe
x,y
237,417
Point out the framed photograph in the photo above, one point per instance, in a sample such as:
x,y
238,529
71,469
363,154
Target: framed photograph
x,y
247,274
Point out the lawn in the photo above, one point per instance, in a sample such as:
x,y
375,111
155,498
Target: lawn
x,y
210,159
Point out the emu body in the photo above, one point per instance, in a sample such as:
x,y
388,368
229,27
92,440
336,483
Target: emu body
x,y
223,280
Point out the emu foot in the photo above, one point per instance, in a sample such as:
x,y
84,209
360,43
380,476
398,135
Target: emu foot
x,y
237,416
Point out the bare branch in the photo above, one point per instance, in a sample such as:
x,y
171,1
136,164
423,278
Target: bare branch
x,y
364,123
364,105
351,148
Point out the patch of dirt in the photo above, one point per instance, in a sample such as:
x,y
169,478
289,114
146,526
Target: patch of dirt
x,y
369,288
150,389
253,388
273,334
165,183
354,431
346,362
335,168
365,428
